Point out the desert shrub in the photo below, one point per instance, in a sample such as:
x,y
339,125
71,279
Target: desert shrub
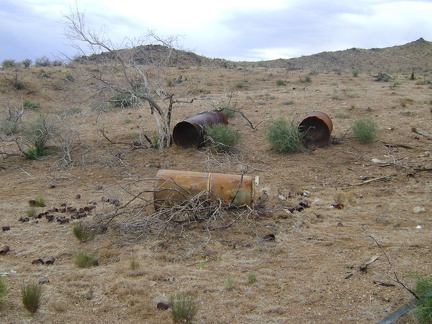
x,y
252,277
85,259
36,152
423,310
355,72
134,264
306,79
221,136
123,100
184,308
31,211
42,61
37,133
26,63
364,130
228,110
288,102
229,283
239,85
284,137
31,295
7,64
28,104
280,82
42,74
69,77
83,232
406,101
57,63
39,201
10,123
17,82
382,77
3,287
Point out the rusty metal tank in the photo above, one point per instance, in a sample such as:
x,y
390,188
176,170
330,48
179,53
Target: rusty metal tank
x,y
317,127
173,187
190,132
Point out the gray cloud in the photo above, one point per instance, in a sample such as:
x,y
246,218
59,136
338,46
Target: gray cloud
x,y
297,28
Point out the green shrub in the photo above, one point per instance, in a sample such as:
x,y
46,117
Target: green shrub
x,y
221,136
3,287
26,63
31,295
423,310
382,77
123,100
306,79
252,277
27,104
284,137
184,308
43,74
42,61
364,130
36,134
288,102
406,101
239,85
10,123
83,232
69,77
228,110
229,283
280,82
85,260
355,72
39,202
35,152
7,64
18,84
31,211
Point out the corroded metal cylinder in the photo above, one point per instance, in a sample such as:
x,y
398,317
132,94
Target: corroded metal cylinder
x,y
316,127
190,132
174,187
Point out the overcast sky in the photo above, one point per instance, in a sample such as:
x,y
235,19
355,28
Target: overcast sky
x,y
251,30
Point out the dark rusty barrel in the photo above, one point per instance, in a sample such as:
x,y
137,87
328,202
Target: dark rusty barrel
x,y
173,187
316,127
190,132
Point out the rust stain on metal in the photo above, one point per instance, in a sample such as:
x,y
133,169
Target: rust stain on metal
x,y
174,187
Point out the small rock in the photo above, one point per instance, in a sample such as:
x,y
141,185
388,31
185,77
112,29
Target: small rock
x,y
5,249
418,209
38,261
43,281
6,228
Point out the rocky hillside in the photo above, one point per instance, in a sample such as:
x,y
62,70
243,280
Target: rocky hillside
x,y
411,57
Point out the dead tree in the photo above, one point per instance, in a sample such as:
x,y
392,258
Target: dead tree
x,y
126,69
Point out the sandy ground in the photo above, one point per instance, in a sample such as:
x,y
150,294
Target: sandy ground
x,y
315,271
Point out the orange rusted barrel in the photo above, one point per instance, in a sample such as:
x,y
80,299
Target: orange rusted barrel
x,y
316,127
173,187
190,132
